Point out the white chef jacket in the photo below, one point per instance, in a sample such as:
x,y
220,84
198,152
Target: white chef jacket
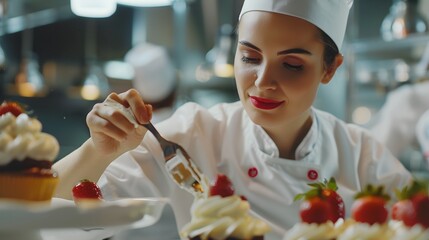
x,y
223,139
396,121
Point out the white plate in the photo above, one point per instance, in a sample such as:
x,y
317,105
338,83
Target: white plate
x,y
60,213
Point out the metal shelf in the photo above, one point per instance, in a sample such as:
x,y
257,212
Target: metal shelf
x,y
35,19
374,46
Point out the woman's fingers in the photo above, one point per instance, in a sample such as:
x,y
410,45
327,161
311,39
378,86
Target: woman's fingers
x,y
109,120
141,111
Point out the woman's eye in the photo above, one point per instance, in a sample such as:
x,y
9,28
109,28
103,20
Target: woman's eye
x,y
293,67
249,60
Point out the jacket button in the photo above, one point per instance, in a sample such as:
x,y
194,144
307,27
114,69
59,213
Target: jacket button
x,y
252,172
312,174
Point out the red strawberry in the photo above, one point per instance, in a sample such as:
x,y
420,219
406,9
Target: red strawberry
x,y
86,189
421,206
326,192
404,209
315,210
370,205
222,187
12,107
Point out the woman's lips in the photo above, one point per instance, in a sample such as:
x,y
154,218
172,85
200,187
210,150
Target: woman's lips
x,y
264,103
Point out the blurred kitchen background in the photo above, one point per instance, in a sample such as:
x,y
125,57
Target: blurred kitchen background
x,y
60,57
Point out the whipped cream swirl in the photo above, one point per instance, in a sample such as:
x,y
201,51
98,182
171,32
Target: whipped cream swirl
x,y
22,137
218,218
311,231
363,231
402,232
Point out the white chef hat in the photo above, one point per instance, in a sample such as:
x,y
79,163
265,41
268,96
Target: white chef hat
x,y
154,73
329,15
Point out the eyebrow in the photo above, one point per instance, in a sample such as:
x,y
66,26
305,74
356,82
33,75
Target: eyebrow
x,y
287,51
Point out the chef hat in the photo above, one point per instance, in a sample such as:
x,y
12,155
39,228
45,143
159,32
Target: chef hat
x,y
329,15
154,74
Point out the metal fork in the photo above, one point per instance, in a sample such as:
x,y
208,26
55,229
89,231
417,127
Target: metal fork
x,y
179,164
177,161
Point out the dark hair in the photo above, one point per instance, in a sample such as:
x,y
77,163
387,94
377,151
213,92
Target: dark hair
x,y
330,51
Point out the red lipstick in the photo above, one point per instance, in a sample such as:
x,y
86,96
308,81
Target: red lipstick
x,y
264,103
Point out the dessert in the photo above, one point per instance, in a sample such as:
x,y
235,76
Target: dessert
x,y
410,218
223,215
321,211
369,216
26,156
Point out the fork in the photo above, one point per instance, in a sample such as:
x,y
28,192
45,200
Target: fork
x,y
177,161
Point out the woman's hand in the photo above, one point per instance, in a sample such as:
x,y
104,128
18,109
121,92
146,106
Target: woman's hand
x,y
111,132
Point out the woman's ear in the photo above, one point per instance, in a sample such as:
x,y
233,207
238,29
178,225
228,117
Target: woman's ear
x,y
330,71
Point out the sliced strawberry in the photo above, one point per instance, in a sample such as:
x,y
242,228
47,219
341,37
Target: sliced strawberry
x,y
13,107
86,189
370,206
222,187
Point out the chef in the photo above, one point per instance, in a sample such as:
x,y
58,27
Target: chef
x,y
397,119
271,143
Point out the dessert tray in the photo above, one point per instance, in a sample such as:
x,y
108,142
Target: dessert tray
x,y
19,217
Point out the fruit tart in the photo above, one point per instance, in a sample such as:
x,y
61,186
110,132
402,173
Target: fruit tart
x,y
223,215
26,156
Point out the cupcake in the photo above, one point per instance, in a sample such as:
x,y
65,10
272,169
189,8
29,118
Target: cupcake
x,y
369,216
223,215
321,211
410,213
26,156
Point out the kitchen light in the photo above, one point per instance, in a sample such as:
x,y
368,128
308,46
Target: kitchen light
x,y
95,84
145,3
29,81
362,115
403,19
220,59
93,8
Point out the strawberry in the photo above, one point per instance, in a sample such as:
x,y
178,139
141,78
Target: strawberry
x,y
322,203
404,209
370,205
315,210
222,187
13,107
421,206
86,189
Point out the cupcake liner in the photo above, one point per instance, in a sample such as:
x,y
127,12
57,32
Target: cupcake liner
x,y
27,187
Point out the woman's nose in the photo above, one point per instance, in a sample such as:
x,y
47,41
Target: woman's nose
x,y
264,78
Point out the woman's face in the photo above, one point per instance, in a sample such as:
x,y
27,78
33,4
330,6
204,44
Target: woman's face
x,y
278,68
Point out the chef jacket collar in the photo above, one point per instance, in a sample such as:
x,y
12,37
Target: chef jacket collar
x,y
307,145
